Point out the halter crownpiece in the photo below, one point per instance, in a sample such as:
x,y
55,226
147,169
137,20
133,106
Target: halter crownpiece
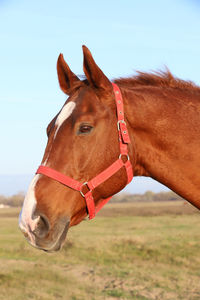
x,y
124,140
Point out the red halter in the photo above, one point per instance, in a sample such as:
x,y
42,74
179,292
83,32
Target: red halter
x,y
124,140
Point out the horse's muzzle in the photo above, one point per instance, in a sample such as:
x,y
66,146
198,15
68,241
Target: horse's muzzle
x,y
44,236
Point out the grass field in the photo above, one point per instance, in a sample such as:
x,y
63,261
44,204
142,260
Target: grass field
x,y
130,251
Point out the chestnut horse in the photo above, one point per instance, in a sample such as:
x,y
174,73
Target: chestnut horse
x,y
162,114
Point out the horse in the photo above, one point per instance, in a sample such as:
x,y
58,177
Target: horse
x,y
154,133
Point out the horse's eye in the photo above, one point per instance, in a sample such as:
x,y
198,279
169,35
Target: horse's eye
x,y
84,129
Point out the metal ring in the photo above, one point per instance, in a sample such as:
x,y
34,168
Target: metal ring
x,y
120,156
85,183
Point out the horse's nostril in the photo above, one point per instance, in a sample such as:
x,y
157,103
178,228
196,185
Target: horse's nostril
x,y
42,228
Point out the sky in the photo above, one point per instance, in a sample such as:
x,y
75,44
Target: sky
x,y
123,36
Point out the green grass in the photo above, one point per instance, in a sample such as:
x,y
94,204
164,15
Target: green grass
x,y
124,257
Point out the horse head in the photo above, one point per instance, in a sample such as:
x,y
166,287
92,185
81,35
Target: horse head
x,y
82,142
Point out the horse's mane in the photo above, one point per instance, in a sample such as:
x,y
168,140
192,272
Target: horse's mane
x,y
157,79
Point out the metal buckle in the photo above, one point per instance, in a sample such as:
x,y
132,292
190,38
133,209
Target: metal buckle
x,y
118,122
85,183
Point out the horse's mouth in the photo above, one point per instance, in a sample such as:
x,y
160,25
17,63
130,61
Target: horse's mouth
x,y
60,241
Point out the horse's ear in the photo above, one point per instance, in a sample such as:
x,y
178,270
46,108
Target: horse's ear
x,y
67,79
93,73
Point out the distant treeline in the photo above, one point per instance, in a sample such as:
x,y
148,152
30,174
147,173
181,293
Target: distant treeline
x,y
17,200
148,196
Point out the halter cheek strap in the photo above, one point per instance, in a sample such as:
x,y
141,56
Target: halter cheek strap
x,y
124,140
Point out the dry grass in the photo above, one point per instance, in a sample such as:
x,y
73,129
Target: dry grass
x,y
124,257
148,209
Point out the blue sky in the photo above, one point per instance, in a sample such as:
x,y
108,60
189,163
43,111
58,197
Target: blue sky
x,y
123,36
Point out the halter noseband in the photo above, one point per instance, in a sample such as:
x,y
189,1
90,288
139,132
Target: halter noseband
x,y
124,140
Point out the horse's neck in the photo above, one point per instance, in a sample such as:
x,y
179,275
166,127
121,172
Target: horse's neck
x,y
165,136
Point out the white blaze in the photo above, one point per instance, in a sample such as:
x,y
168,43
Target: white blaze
x,y
64,114
26,221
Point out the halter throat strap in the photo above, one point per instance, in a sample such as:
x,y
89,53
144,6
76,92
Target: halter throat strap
x,y
124,140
